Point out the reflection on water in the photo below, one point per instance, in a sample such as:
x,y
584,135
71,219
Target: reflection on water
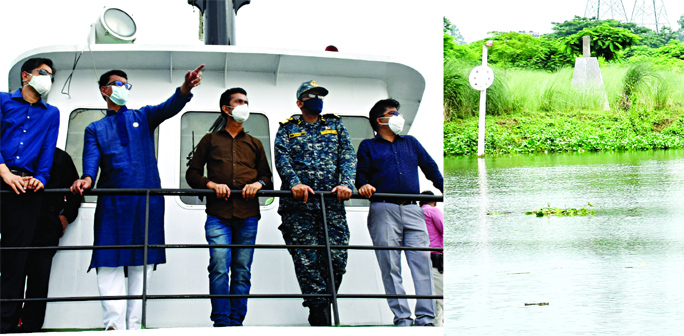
x,y
618,272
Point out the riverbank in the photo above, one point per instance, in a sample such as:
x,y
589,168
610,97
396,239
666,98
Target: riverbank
x,y
569,131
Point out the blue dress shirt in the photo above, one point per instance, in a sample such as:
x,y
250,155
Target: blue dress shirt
x,y
392,167
28,134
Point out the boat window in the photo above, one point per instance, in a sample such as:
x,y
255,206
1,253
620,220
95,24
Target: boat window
x,y
359,129
194,125
79,119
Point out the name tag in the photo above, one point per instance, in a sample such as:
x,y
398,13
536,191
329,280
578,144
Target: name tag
x,y
293,135
329,132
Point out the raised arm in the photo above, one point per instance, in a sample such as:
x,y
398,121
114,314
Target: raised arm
x,y
158,113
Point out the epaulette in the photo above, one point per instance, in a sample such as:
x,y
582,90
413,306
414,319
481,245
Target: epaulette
x,y
331,115
286,121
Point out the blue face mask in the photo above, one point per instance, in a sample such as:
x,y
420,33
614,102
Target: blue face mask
x,y
313,105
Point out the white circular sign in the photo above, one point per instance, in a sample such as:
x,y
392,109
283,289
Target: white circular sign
x,y
481,77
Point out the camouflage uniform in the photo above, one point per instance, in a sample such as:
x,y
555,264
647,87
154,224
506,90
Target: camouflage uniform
x,y
321,156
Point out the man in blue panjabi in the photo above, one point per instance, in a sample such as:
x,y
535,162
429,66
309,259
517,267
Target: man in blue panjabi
x,y
121,145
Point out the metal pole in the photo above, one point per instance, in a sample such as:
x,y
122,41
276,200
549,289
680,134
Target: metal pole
x,y
144,289
331,284
483,111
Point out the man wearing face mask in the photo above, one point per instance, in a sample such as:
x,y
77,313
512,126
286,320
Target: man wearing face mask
x,y
121,146
235,160
315,152
389,163
28,136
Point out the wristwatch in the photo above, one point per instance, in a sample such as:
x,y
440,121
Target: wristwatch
x,y
263,184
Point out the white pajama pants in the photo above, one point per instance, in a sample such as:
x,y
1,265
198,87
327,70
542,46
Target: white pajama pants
x,y
438,281
122,314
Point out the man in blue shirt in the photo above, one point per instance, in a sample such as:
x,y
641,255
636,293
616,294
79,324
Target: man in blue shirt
x,y
389,163
28,136
121,146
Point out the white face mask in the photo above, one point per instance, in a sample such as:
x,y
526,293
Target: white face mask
x,y
41,84
119,95
395,123
240,113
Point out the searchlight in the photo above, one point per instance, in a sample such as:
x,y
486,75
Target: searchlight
x,y
113,26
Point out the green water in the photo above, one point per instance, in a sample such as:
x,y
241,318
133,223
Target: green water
x,y
618,272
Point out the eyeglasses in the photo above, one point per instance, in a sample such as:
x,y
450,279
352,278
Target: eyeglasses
x,y
394,113
42,72
128,86
312,96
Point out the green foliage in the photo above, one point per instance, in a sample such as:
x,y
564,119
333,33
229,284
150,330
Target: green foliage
x,y
674,49
648,36
606,41
547,114
570,212
462,101
525,51
451,29
680,31
658,39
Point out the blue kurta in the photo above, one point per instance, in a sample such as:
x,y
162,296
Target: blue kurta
x,y
120,220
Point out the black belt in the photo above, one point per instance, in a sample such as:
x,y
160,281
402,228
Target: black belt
x,y
397,202
21,172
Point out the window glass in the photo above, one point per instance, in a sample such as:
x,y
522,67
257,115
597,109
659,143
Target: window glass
x,y
79,119
194,125
359,129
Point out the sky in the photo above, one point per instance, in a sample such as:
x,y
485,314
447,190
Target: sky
x,y
368,27
475,18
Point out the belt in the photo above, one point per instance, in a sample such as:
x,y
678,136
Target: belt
x,y
399,202
21,172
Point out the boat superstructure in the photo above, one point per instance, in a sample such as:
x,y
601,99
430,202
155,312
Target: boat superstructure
x,y
270,77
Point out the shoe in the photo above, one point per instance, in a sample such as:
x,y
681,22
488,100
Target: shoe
x,y
429,325
319,316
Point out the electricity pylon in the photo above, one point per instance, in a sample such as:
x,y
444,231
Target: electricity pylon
x,y
650,14
606,9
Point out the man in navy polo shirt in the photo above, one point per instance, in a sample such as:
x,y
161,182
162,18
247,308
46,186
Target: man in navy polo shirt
x,y
28,136
389,163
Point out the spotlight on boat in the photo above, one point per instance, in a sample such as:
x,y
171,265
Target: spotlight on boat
x,y
113,26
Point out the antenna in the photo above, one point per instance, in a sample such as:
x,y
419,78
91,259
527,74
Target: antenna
x,y
650,14
606,9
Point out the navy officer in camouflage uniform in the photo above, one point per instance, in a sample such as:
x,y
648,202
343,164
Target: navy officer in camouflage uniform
x,y
315,152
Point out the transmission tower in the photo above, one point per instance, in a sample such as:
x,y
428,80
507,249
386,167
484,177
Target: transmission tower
x,y
650,14
606,9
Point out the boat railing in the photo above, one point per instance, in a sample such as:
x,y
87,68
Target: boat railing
x,y
333,295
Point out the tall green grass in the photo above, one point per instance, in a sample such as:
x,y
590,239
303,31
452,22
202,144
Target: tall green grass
x,y
636,87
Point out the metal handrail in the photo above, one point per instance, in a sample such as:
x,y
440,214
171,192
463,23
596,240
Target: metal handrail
x,y
233,193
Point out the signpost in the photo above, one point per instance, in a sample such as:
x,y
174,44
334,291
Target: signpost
x,y
482,77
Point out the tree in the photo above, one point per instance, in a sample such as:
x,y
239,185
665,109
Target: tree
x,y
451,29
680,31
606,41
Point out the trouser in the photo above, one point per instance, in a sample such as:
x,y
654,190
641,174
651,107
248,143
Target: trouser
x,y
18,216
439,290
311,265
403,225
38,268
111,281
230,312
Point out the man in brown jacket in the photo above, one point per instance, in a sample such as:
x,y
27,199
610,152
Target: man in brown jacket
x,y
235,160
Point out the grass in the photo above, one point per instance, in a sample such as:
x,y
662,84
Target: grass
x,y
537,111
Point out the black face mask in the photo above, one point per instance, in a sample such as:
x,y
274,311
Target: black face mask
x,y
313,105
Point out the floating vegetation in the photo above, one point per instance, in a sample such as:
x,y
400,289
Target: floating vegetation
x,y
559,212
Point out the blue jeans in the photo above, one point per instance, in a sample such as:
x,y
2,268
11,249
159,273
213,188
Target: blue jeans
x,y
230,312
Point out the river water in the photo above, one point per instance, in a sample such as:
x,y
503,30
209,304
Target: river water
x,y
617,272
